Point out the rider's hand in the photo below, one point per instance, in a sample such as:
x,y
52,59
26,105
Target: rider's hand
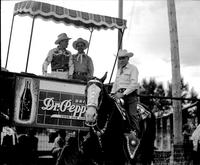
x,y
119,95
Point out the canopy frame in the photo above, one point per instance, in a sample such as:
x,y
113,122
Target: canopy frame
x,y
71,17
68,16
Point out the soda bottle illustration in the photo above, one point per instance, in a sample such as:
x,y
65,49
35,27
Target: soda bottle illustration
x,y
26,102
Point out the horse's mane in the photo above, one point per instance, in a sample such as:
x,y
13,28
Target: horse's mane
x,y
107,108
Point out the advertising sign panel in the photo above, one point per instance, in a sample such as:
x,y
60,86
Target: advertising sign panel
x,y
50,104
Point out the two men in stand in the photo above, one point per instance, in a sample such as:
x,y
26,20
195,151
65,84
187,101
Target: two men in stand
x,y
65,65
125,86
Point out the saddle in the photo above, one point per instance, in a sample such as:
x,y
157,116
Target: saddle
x,y
132,142
142,112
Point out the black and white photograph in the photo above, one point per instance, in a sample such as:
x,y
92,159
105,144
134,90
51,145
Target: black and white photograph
x,y
100,82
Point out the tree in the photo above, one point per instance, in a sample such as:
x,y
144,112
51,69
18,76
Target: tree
x,y
162,104
152,88
185,93
148,90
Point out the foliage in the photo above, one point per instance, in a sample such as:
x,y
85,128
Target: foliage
x,y
185,93
153,88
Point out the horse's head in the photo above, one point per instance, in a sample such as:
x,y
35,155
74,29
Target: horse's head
x,y
94,90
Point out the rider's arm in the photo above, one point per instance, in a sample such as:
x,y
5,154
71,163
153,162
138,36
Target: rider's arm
x,y
114,88
133,85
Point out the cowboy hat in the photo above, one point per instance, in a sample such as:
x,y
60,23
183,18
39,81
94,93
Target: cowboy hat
x,y
124,53
82,41
62,36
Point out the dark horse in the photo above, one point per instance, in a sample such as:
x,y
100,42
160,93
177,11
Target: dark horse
x,y
106,144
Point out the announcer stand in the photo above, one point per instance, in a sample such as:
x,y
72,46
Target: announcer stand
x,y
53,103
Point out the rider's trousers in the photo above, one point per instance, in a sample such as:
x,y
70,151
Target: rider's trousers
x,y
130,102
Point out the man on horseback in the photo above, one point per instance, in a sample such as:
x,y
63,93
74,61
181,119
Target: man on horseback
x,y
125,87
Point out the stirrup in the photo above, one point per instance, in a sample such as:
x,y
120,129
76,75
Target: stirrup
x,y
132,143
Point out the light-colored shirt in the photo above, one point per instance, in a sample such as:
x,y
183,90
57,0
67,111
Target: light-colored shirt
x,y
10,132
127,78
196,138
54,52
83,63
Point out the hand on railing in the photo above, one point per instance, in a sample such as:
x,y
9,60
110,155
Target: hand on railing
x,y
44,73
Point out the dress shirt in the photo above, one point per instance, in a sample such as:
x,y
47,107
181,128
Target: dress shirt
x,y
127,78
83,63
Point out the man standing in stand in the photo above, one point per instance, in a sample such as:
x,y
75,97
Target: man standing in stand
x,y
83,65
60,59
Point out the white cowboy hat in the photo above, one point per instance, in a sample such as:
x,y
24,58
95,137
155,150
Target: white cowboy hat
x,y
124,53
62,36
82,41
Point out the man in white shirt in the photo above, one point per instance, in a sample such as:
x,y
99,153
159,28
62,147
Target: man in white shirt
x,y
83,64
125,86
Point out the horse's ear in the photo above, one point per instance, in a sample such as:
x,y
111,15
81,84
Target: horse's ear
x,y
104,77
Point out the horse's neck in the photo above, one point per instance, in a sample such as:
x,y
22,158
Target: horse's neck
x,y
107,102
105,109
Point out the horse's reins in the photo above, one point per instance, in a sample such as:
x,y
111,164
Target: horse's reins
x,y
99,132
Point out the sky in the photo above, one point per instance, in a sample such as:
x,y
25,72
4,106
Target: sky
x,y
147,36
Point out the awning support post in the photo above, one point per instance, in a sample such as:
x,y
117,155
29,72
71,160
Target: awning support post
x,y
119,47
30,43
9,41
91,31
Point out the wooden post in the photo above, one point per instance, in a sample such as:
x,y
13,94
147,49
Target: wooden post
x,y
177,151
176,78
120,16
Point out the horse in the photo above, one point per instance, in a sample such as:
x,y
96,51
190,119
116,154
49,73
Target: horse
x,y
105,143
108,124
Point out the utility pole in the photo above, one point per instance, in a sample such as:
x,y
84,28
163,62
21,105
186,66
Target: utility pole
x,y
121,17
176,78
176,82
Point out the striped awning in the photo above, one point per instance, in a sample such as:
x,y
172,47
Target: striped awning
x,y
68,16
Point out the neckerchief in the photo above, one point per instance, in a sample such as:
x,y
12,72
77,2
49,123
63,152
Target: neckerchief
x,y
80,56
